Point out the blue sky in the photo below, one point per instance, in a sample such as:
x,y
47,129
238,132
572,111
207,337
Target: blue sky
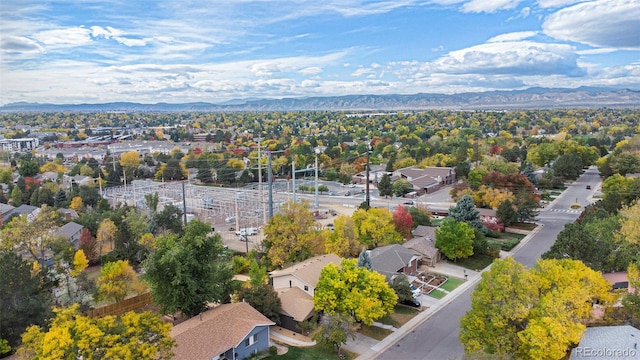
x,y
93,51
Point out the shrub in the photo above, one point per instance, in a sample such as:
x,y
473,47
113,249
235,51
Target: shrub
x,y
273,351
240,264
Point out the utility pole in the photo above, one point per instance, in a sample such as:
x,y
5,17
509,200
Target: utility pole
x,y
367,197
317,200
270,181
264,210
293,178
184,205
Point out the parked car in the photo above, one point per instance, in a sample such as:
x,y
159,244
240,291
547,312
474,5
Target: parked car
x,y
588,187
247,232
416,292
411,302
410,202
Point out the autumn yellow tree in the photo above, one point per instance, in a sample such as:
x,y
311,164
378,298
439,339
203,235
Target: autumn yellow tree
x,y
289,235
76,204
74,336
349,289
533,313
375,227
105,235
629,224
117,280
130,160
80,263
343,240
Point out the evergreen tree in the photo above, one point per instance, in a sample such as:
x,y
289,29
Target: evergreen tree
x,y
465,211
506,213
528,172
204,172
113,179
384,186
364,260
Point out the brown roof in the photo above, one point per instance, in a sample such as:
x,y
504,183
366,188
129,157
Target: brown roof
x,y
309,270
422,245
295,303
216,331
424,231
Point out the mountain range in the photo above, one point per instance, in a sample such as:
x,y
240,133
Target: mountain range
x,y
529,99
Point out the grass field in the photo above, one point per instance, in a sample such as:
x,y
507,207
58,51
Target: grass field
x,y
317,352
451,283
438,294
475,262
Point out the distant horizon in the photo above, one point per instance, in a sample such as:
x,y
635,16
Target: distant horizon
x,y
77,51
248,100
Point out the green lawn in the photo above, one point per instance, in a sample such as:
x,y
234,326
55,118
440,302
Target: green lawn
x,y
451,283
510,236
312,353
400,316
475,262
438,294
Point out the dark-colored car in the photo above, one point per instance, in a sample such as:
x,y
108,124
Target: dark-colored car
x,y
411,302
588,187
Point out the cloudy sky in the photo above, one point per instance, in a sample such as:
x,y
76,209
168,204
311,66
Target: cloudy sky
x,y
149,51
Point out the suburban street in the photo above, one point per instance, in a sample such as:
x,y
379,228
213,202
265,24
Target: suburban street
x,y
437,337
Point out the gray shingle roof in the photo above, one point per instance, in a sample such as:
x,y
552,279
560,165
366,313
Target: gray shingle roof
x,y
608,342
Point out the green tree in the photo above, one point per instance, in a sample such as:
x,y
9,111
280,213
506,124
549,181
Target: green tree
x,y
420,215
401,187
507,213
194,265
400,284
568,166
264,299
29,167
22,300
575,241
170,219
60,199
335,330
257,274
532,313
353,290
73,336
16,196
384,186
455,239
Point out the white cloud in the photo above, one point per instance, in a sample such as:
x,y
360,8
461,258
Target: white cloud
x,y
312,70
515,57
524,13
73,36
556,3
601,23
515,36
489,6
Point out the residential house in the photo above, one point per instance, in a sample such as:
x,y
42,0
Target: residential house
x,y
5,209
71,231
28,210
423,243
69,214
227,332
80,180
394,259
427,180
608,342
295,286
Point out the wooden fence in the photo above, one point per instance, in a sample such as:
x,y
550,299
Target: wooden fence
x,y
131,304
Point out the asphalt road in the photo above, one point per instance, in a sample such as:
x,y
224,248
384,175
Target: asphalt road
x,y
437,337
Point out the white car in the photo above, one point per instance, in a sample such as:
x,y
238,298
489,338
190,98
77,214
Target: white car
x,y
247,232
416,292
